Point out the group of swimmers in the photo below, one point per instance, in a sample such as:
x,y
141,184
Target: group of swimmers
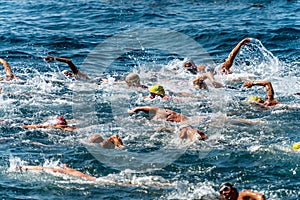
x,y
227,191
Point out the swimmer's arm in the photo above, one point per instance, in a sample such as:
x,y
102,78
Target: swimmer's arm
x,y
201,68
210,77
38,168
225,68
142,108
35,126
200,80
246,194
9,74
64,60
64,127
244,121
70,64
72,172
266,84
105,81
66,170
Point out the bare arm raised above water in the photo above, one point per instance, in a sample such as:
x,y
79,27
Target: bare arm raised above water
x,y
9,73
270,100
225,68
76,72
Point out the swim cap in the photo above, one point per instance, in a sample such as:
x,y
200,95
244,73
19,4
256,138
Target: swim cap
x,y
223,186
61,120
132,78
296,146
254,99
157,89
190,66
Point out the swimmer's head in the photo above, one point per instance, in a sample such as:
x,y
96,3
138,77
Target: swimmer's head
x,y
227,191
96,138
200,135
67,73
255,99
190,66
296,146
116,140
157,90
132,79
60,120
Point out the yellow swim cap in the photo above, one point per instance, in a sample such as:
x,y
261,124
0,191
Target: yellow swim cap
x,y
254,99
157,89
296,146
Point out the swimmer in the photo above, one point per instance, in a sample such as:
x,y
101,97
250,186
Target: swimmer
x,y
131,80
187,132
156,113
191,67
158,91
228,192
296,146
110,143
75,72
160,113
270,100
58,123
9,73
64,169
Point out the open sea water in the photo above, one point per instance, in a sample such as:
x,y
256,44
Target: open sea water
x,y
109,39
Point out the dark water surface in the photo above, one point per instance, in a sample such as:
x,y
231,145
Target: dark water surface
x,y
113,38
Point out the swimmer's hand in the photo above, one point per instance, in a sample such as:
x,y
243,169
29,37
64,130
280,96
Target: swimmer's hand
x,y
248,84
49,58
12,77
217,84
132,111
82,75
104,80
245,41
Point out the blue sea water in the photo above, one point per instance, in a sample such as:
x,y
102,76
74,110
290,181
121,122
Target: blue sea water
x,y
112,38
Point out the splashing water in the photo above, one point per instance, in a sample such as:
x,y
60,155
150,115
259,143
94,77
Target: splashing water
x,y
255,58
